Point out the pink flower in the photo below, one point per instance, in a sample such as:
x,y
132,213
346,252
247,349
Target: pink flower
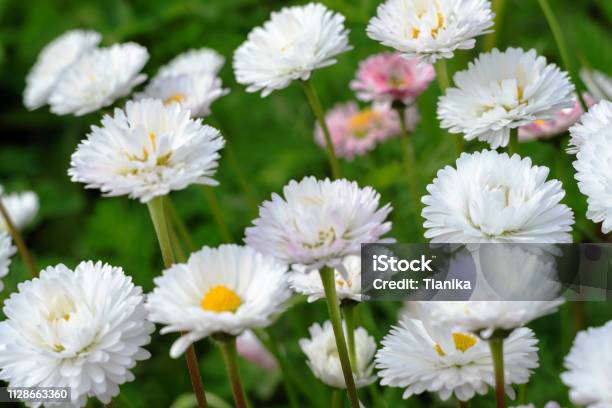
x,y
355,132
390,77
250,348
544,129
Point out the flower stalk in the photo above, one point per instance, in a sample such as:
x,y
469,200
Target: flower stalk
x,y
499,8
230,357
513,143
329,285
317,109
496,344
349,312
443,83
21,246
213,203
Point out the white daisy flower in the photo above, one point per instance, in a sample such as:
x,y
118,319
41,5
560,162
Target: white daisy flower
x,y
147,151
83,329
599,85
589,368
52,61
323,360
98,79
317,223
430,30
309,282
449,361
203,60
21,207
596,120
227,290
549,404
7,250
293,43
501,91
193,92
491,197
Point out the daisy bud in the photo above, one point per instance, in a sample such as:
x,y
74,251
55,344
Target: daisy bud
x,y
21,208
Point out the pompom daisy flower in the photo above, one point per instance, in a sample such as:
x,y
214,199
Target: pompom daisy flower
x,y
82,329
7,250
224,290
22,208
589,368
491,197
449,361
596,120
98,79
52,61
195,61
309,283
354,131
322,355
293,43
501,91
430,30
389,77
147,150
319,222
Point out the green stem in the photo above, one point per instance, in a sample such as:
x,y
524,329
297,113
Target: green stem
x,y
21,246
411,169
349,311
329,285
158,216
513,144
557,32
463,404
213,203
179,224
496,343
230,358
442,74
499,8
337,400
317,109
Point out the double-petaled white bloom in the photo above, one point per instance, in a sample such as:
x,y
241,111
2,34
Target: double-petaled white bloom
x,y
147,151
323,359
447,360
98,79
319,222
83,329
491,197
226,290
52,61
589,368
21,208
595,121
7,250
293,43
501,91
348,282
430,30
193,62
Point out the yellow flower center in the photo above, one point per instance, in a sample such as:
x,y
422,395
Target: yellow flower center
x,y
519,93
463,342
540,122
220,299
360,122
434,31
178,98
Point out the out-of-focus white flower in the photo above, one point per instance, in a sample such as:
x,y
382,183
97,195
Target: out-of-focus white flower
x,y
7,250
249,347
147,151
323,360
595,121
21,208
501,91
293,43
549,404
491,197
430,30
598,84
52,61
98,79
309,283
228,290
446,360
589,368
319,222
83,329
203,60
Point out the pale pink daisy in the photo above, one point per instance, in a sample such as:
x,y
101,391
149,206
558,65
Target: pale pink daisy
x,y
390,77
355,131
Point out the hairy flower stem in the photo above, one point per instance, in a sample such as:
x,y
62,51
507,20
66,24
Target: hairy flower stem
x,y
349,312
21,246
443,83
555,27
513,144
158,217
213,203
411,169
496,343
329,285
230,358
317,109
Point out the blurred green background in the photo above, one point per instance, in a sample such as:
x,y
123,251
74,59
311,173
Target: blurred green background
x,y
273,141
